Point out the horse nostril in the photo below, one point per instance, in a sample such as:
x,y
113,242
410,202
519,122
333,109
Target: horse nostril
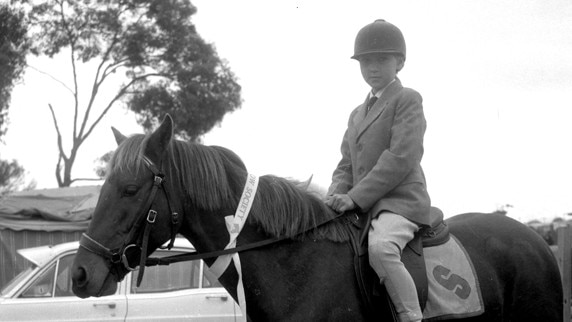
x,y
79,277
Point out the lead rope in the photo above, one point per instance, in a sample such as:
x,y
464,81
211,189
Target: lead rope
x,y
234,226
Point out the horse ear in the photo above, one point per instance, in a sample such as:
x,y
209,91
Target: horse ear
x,y
118,136
160,139
306,184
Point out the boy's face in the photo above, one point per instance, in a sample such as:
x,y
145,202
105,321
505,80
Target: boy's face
x,y
379,69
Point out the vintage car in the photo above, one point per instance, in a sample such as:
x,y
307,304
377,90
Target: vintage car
x,y
184,291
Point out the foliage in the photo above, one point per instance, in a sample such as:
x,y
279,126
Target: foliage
x,y
167,66
101,164
13,48
12,177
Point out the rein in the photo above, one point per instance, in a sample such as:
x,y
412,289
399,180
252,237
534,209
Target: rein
x,y
190,256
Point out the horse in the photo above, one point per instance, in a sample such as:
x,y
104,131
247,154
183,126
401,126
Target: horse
x,y
158,186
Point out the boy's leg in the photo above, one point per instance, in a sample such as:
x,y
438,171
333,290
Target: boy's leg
x,y
388,235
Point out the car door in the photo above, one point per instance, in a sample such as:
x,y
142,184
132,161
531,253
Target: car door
x,y
179,292
48,296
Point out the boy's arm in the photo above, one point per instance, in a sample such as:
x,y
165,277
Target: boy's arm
x,y
404,154
342,178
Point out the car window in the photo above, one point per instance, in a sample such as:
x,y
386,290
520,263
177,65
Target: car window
x,y
42,286
63,278
16,280
164,278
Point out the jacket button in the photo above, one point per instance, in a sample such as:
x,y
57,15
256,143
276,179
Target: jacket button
x,y
360,147
361,171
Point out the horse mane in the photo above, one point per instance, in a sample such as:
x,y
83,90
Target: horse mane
x,y
213,178
284,207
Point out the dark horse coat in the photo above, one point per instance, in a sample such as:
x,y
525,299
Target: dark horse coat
x,y
308,277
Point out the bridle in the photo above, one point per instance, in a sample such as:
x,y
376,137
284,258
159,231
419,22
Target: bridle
x,y
136,239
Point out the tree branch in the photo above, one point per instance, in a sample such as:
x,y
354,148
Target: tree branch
x,y
58,172
106,57
117,96
94,90
60,143
97,81
52,77
113,67
72,39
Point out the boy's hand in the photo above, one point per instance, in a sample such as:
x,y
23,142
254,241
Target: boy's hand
x,y
340,203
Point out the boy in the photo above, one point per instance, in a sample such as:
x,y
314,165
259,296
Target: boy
x,y
380,171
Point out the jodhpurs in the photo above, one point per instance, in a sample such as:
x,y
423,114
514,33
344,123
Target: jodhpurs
x,y
388,236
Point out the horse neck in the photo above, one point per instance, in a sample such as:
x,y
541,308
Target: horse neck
x,y
270,272
204,228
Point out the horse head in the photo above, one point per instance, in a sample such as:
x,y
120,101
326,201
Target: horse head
x,y
133,216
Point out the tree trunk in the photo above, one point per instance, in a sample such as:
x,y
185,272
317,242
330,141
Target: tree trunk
x,y
66,180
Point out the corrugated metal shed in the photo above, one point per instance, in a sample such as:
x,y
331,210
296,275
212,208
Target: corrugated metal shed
x,y
41,217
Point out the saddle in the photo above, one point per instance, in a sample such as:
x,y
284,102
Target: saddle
x,y
436,233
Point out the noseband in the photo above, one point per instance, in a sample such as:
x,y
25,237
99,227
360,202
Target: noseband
x,y
136,240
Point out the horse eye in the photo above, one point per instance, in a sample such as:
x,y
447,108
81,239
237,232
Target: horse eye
x,y
130,190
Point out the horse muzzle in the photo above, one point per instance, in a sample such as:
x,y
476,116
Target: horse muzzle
x,y
92,278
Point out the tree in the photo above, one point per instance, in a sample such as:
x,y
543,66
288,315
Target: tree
x,y
13,48
101,164
12,177
165,65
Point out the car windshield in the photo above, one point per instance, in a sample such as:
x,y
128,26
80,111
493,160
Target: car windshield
x,y
16,280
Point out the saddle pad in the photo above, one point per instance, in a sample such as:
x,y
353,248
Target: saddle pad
x,y
454,290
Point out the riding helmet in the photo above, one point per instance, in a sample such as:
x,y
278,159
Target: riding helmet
x,y
379,36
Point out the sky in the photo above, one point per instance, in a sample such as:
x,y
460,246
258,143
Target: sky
x,y
495,76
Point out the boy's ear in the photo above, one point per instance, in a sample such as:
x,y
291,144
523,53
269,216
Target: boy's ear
x,y
400,62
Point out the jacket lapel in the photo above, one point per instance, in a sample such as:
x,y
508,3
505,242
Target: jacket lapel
x,y
377,108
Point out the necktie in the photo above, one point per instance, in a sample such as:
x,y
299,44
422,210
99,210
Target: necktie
x,y
371,101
